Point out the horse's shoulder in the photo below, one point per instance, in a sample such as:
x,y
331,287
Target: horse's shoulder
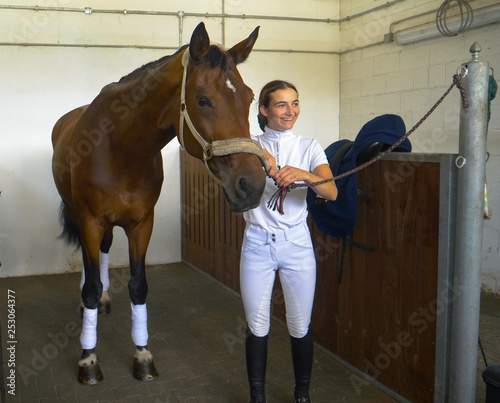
x,y
67,122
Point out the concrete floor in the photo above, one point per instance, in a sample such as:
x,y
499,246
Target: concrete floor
x,y
196,334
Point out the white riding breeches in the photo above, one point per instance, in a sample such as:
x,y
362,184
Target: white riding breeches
x,y
289,252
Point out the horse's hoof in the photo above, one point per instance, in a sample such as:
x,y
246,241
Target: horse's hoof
x,y
144,370
90,374
104,307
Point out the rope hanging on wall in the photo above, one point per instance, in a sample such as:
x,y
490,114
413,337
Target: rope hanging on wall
x,y
465,14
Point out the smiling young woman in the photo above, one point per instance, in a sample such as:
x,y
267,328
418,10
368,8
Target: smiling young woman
x,y
274,242
282,110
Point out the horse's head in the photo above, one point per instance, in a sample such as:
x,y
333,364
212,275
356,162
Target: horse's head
x,y
214,125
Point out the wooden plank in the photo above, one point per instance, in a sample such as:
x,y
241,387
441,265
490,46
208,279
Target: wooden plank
x,y
326,301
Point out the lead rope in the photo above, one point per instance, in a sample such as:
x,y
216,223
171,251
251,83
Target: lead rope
x,y
278,198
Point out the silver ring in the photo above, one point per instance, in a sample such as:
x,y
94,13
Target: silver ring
x,y
464,69
460,161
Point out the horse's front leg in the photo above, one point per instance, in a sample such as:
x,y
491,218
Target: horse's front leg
x,y
105,301
89,372
144,368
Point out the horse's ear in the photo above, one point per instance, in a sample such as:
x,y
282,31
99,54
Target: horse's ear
x,y
200,42
240,51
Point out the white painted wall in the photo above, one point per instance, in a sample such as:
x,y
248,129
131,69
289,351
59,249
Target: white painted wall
x,y
41,83
407,80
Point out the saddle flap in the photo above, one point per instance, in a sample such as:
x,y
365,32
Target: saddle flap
x,y
369,152
339,154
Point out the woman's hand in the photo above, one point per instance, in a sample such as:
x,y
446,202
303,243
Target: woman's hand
x,y
272,163
288,174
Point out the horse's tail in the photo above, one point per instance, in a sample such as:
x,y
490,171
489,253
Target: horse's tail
x,y
70,232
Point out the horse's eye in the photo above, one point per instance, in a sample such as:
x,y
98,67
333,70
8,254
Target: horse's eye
x,y
203,101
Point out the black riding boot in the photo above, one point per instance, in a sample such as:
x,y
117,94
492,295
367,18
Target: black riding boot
x,y
256,356
302,356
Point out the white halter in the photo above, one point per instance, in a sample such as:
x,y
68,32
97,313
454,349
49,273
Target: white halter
x,y
218,147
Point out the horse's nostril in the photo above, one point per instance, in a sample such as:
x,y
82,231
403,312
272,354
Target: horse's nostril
x,y
242,187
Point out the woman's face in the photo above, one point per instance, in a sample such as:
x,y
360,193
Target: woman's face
x,y
283,110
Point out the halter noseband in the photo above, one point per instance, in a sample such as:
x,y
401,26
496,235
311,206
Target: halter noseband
x,y
218,147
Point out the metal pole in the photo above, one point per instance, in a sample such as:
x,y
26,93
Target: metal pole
x,y
469,227
223,23
181,26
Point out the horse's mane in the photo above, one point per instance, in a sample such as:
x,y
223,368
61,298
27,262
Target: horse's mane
x,y
149,65
214,57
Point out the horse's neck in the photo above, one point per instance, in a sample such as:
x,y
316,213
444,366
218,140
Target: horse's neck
x,y
147,108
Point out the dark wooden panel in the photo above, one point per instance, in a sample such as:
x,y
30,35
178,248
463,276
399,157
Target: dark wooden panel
x,y
396,284
211,234
381,318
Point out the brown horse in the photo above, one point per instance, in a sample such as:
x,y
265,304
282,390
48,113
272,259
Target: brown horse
x,y
107,166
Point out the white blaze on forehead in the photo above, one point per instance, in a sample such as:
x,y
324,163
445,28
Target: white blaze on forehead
x,y
230,85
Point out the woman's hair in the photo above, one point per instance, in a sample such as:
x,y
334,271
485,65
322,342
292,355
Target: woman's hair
x,y
266,95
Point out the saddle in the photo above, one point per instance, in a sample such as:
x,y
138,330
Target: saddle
x,y
338,218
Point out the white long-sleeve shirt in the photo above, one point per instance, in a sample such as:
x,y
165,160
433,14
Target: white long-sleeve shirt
x,y
288,149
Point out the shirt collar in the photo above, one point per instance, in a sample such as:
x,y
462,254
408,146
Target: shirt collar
x,y
275,134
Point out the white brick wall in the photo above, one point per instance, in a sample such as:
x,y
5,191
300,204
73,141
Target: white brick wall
x,y
407,80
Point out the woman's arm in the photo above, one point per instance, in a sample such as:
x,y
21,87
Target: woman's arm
x,y
327,190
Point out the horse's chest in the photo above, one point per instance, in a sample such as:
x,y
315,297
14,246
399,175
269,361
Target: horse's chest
x,y
136,200
128,199
128,207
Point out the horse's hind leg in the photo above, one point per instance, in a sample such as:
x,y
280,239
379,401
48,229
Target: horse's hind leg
x,y
105,302
144,368
89,372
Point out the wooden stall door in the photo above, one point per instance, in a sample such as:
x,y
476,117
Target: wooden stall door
x,y
382,318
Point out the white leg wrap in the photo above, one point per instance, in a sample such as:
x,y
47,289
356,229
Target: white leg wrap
x,y
104,266
139,324
88,337
104,271
82,281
